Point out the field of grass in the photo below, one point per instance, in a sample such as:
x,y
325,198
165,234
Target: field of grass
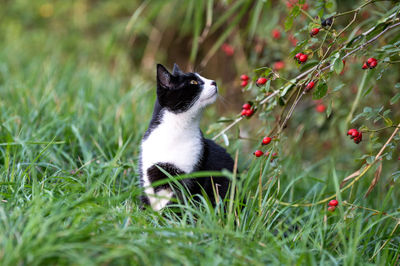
x,y
72,113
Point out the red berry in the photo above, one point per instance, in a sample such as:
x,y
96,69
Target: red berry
x,y
320,108
276,34
370,60
246,106
244,112
333,203
305,6
358,139
258,153
331,208
292,40
365,66
228,49
298,55
279,65
355,134
249,112
261,81
314,31
244,77
303,58
310,85
244,83
373,64
266,140
350,132
274,154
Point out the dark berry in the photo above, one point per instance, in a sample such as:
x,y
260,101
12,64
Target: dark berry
x,y
327,22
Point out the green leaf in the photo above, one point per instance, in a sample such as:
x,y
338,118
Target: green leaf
x,y
367,91
395,98
370,159
329,109
338,65
338,87
288,23
321,91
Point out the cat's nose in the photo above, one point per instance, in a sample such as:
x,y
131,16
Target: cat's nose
x,y
214,83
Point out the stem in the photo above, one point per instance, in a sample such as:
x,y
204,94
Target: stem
x,y
351,183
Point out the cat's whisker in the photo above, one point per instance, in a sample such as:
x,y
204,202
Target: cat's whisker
x,y
223,100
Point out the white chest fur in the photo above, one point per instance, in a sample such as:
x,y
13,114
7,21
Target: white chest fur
x,y
176,140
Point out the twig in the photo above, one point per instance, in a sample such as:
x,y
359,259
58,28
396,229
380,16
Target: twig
x,y
300,76
241,118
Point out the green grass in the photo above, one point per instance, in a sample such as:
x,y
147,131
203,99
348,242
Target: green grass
x,y
71,124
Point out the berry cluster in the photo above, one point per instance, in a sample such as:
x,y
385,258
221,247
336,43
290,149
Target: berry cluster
x,y
245,80
259,153
247,110
265,141
371,63
355,135
332,205
301,58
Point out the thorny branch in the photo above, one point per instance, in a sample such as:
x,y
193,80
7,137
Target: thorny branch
x,y
311,70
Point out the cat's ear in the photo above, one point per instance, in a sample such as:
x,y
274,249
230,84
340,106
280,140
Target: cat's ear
x,y
176,70
163,76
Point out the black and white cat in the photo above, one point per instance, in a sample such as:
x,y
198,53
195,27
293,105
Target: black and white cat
x,y
175,142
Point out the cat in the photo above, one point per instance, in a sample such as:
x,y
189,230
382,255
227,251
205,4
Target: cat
x,y
175,143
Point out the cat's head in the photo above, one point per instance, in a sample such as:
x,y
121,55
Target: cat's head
x,y
179,92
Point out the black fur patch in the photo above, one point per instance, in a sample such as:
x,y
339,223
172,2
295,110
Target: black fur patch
x,y
176,92
155,174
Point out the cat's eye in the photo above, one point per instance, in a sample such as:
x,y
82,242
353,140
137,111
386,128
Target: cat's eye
x,y
193,82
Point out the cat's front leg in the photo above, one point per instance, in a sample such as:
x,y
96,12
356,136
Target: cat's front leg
x,y
163,193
